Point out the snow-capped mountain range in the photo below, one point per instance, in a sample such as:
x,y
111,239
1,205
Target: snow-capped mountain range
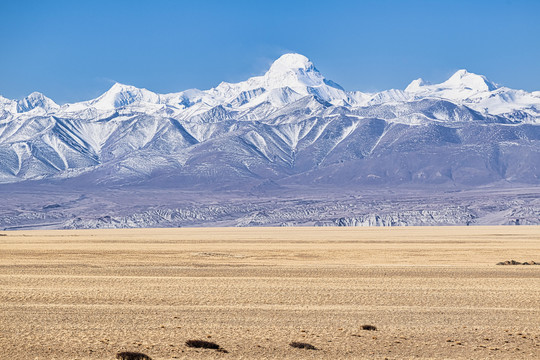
x,y
290,126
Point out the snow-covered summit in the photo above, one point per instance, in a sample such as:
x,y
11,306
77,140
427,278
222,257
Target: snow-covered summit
x,y
460,85
292,70
120,95
416,85
290,77
36,100
462,79
479,93
291,61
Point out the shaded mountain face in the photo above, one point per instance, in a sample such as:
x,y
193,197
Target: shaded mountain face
x,y
290,126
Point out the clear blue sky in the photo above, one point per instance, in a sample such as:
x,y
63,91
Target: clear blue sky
x,y
75,50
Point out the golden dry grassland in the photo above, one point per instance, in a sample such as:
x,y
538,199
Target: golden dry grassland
x,y
432,292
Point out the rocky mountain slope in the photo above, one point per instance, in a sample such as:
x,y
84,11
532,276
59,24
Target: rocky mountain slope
x,y
45,206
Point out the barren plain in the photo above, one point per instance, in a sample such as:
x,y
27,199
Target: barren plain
x,y
432,292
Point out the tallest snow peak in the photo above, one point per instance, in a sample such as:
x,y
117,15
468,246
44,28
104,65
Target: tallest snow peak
x,y
290,77
291,62
293,70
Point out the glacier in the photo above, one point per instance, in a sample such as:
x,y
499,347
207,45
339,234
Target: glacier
x,y
289,132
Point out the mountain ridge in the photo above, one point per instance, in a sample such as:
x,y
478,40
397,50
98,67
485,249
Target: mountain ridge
x,y
290,70
290,125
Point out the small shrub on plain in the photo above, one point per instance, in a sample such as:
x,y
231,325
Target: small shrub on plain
x,y
129,355
369,327
203,344
302,345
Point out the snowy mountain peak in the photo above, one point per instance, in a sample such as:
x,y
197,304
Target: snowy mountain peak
x,y
118,87
461,82
289,78
464,79
473,90
415,85
293,70
291,61
36,100
120,95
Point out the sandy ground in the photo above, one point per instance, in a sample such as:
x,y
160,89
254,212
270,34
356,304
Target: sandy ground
x,y
431,292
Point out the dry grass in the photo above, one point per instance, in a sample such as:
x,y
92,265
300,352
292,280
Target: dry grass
x,y
433,292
